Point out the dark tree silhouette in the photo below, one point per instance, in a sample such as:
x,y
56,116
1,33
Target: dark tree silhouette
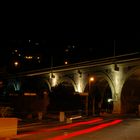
x,y
62,98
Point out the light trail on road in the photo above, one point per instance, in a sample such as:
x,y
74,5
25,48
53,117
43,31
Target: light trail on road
x,y
95,120
84,131
72,125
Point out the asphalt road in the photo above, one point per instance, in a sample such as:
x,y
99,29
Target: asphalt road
x,y
116,128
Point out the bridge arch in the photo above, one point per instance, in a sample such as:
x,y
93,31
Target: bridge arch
x,y
64,96
130,97
101,92
131,72
48,83
68,80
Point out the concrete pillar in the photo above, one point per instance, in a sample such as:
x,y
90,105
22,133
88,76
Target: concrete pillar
x,y
40,115
118,79
117,107
62,116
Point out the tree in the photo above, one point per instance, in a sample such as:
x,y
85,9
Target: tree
x,y
62,98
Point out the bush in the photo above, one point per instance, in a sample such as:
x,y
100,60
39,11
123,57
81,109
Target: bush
x,y
6,111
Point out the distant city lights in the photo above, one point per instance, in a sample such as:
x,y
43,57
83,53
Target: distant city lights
x,y
29,57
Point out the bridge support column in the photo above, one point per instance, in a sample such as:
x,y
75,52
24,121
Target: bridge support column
x,y
117,107
118,81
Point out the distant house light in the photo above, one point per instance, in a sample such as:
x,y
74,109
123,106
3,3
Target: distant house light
x,y
16,63
29,57
38,57
66,62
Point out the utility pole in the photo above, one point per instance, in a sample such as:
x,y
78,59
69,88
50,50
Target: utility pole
x,y
114,54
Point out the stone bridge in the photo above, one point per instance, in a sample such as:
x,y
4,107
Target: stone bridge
x,y
116,79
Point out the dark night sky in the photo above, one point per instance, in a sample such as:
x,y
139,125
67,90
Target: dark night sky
x,y
87,46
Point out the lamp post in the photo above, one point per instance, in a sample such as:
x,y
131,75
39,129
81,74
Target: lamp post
x,y
116,68
89,101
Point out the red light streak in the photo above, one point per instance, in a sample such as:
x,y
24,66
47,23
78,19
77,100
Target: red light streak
x,y
81,132
59,127
72,125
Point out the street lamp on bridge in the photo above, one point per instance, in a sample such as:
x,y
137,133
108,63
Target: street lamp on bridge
x,y
90,81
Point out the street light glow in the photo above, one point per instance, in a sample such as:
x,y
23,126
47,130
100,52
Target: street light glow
x,y
91,78
16,63
109,100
